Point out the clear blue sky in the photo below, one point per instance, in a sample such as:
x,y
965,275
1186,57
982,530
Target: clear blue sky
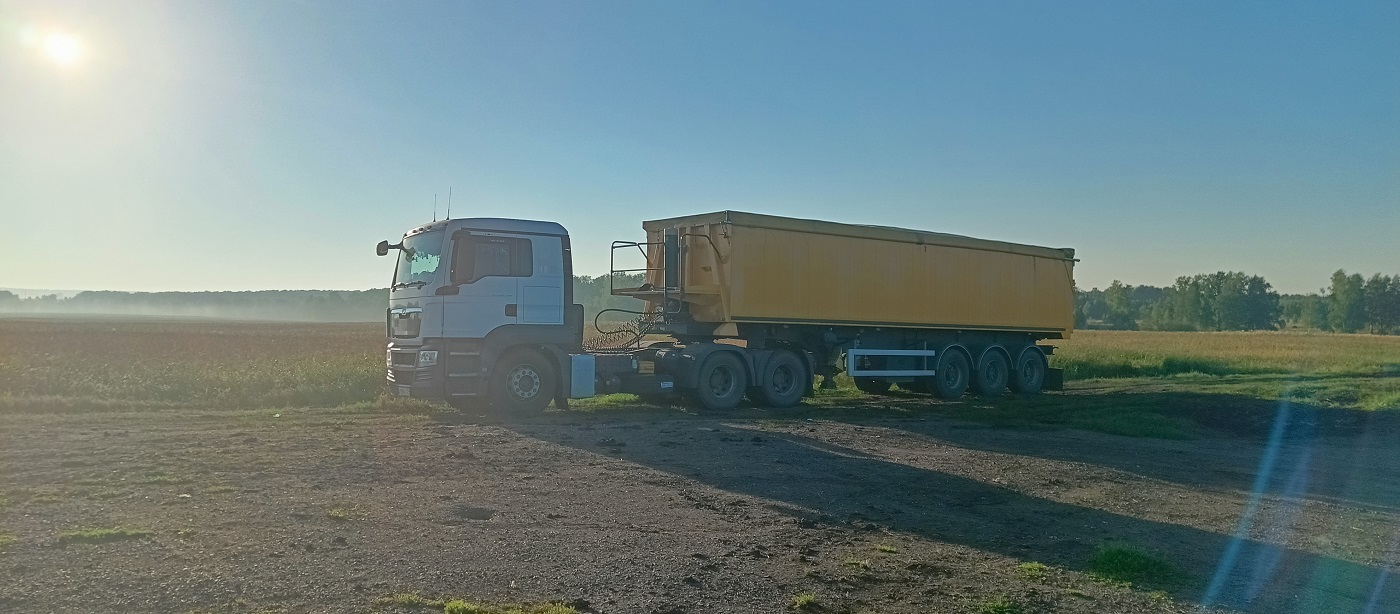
x,y
249,145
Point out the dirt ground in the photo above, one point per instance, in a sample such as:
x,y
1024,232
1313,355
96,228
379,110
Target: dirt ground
x,y
664,511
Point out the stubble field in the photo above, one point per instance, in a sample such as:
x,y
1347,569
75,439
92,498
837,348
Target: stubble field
x,y
157,465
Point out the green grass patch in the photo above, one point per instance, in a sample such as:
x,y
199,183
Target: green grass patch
x,y
1128,565
6,539
96,536
1036,572
338,513
855,562
804,601
1000,605
608,401
886,548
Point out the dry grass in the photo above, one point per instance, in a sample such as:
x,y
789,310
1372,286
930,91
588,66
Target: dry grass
x,y
58,363
85,364
1097,354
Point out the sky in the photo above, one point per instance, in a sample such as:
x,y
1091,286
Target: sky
x,y
153,145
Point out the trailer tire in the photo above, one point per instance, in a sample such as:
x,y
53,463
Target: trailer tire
x,y
952,375
1028,377
870,385
523,382
721,382
783,381
992,375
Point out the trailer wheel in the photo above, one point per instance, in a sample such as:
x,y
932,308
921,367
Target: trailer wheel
x,y
783,381
721,381
870,385
991,376
1029,375
951,377
522,382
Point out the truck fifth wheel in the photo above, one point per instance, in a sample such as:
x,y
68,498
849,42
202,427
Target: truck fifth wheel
x,y
482,309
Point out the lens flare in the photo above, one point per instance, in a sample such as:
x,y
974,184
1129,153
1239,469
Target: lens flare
x,y
62,48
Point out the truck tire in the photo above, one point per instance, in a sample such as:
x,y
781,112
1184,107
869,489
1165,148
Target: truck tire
x,y
992,375
870,385
784,380
522,382
951,379
1028,376
721,382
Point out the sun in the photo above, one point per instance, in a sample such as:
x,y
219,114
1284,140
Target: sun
x,y
62,48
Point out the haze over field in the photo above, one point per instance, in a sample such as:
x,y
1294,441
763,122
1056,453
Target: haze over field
x,y
163,145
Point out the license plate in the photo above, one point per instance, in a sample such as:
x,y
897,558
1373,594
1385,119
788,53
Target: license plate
x,y
402,391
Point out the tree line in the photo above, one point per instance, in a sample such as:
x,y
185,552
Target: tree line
x,y
1230,300
1224,300
283,305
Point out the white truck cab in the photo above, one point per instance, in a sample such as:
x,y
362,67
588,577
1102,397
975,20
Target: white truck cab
x,y
483,305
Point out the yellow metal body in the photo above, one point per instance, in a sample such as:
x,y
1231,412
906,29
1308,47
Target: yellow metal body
x,y
742,267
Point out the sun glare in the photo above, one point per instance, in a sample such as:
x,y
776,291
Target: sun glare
x,y
62,48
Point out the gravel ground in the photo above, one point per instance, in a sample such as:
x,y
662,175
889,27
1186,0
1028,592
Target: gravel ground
x,y
668,512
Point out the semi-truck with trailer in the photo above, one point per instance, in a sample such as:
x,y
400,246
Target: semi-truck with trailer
x,y
737,305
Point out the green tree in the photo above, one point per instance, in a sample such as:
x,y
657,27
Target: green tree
x,y
1346,309
1314,313
1262,309
1122,313
1091,307
1382,298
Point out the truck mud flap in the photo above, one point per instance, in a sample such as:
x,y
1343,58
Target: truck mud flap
x,y
1054,379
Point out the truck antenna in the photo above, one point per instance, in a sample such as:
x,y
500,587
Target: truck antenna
x,y
449,202
435,207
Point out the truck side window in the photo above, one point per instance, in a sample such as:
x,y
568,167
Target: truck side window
x,y
475,257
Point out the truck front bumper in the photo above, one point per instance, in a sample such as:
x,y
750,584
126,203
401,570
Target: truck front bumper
x,y
411,374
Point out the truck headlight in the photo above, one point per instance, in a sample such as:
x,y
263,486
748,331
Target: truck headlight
x,y
427,358
389,358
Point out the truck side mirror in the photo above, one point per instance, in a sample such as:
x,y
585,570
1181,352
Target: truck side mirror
x,y
382,249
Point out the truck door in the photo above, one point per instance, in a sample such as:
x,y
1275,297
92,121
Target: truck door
x,y
542,293
486,268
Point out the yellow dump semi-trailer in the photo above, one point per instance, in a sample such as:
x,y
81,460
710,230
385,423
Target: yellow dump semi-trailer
x,y
742,267
755,306
932,312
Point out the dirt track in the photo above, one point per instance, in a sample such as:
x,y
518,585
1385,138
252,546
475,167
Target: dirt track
x,y
664,511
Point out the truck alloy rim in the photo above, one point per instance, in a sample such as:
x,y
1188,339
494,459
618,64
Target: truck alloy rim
x,y
783,379
524,382
952,373
721,381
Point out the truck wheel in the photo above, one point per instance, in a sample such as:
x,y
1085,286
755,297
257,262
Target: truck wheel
x,y
873,386
991,376
783,381
721,381
950,380
522,382
1029,375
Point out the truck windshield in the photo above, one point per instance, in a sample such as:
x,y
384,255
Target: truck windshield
x,y
420,258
